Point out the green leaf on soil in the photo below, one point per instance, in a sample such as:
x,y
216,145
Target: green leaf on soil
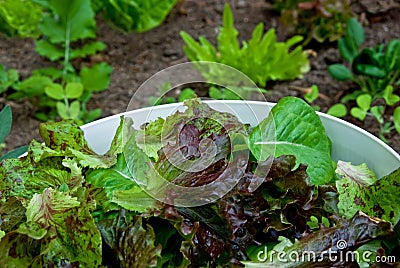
x,y
97,77
55,91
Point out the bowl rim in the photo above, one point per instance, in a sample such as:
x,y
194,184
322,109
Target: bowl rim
x,y
250,102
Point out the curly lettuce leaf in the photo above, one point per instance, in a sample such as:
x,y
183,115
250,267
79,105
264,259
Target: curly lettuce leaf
x,y
299,132
282,205
62,135
44,207
56,162
190,148
360,191
359,175
65,138
22,179
206,121
58,229
137,15
117,177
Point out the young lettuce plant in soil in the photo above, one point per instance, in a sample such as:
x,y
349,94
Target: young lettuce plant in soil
x,y
262,58
376,71
20,18
8,78
134,15
184,94
321,20
64,205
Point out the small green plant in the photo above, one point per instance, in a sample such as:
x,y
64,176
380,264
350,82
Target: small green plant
x,y
337,110
232,93
375,70
396,119
320,20
262,58
312,94
315,224
20,18
184,94
68,30
5,129
364,108
8,78
221,93
214,92
134,15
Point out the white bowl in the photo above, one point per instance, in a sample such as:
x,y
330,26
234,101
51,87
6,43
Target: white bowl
x,y
349,143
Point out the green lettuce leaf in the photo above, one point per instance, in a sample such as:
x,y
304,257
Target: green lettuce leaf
x,y
22,179
44,207
58,229
120,187
117,177
122,136
138,15
71,20
299,132
360,191
149,139
134,199
65,138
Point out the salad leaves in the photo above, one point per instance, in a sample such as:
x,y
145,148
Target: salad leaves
x,y
360,191
299,132
62,205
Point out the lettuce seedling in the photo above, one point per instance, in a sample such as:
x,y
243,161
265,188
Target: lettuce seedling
x,y
135,15
375,70
20,18
262,58
321,20
8,78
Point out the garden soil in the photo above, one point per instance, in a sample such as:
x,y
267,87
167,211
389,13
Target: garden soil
x,y
135,57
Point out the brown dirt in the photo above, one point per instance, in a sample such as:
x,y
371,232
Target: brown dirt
x,y
136,57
